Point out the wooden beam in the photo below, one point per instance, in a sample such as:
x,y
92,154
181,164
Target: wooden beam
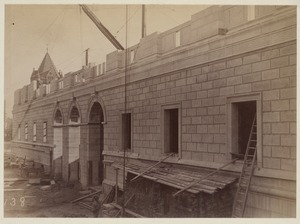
x,y
149,168
208,175
127,211
86,196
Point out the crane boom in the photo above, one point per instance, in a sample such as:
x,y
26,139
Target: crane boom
x,y
101,27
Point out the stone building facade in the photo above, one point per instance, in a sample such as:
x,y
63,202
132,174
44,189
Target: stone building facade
x,y
192,91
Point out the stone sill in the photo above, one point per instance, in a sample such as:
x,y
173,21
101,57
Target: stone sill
x,y
35,144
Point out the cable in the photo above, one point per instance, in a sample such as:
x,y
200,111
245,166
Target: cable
x,y
59,29
126,21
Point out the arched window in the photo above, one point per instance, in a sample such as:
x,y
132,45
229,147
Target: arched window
x,y
96,113
58,117
74,115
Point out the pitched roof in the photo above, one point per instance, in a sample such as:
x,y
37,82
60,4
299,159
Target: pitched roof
x,y
46,71
47,65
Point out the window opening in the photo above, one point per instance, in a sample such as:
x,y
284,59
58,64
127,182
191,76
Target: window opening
x,y
126,131
45,132
34,132
26,131
171,130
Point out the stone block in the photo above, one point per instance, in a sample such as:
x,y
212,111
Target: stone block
x,y
234,80
219,138
293,128
208,157
213,129
201,111
202,78
261,86
227,90
252,77
267,129
261,66
219,83
288,164
280,83
234,62
196,87
196,138
196,71
287,50
270,74
213,75
201,147
181,82
293,59
207,85
219,66
207,138
280,128
197,156
271,95
288,71
191,146
201,128
213,110
186,137
267,151
196,120
280,152
270,54
207,102
245,88
191,80
191,95
280,105
280,62
271,140
252,58
227,72
213,92
288,140
272,163
214,148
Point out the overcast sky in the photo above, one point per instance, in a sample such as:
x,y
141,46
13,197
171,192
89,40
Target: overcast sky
x,y
66,31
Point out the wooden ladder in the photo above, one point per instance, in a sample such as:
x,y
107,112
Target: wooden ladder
x,y
240,199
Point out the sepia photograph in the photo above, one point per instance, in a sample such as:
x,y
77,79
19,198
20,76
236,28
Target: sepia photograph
x,y
143,110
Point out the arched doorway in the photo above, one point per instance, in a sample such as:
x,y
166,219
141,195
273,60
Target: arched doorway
x,y
74,142
95,145
58,142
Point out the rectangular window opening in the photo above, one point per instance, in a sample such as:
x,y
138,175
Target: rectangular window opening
x,y
45,132
132,53
243,114
34,132
26,131
171,130
126,131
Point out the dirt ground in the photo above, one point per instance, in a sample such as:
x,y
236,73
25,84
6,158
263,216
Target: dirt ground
x,y
22,199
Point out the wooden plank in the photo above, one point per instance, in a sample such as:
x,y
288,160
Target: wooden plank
x,y
210,174
84,205
86,196
149,168
125,204
128,211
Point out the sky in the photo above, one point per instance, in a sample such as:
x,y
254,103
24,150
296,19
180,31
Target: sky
x,y
65,31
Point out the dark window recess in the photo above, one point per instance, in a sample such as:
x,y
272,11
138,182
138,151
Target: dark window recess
x,y
74,117
171,130
126,131
246,113
58,117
